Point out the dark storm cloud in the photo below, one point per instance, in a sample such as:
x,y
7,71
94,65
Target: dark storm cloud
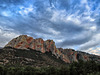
x,y
77,41
69,27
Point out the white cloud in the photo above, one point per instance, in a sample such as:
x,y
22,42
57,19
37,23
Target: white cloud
x,y
95,51
6,36
93,28
89,18
53,31
26,10
6,13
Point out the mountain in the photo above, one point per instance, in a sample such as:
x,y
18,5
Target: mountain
x,y
26,50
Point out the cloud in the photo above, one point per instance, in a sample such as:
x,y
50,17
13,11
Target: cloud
x,y
69,23
95,51
92,43
7,35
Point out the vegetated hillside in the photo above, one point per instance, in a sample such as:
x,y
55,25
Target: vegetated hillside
x,y
20,57
75,68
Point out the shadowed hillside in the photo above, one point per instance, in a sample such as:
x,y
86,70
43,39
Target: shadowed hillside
x,y
11,56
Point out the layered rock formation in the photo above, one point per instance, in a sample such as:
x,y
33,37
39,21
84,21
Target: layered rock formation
x,y
67,55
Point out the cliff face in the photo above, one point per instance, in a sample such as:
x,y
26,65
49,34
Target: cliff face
x,y
67,55
25,42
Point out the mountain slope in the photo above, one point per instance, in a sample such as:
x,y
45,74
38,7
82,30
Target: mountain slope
x,y
11,56
24,46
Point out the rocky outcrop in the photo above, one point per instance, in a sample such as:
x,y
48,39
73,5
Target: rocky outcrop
x,y
26,42
67,55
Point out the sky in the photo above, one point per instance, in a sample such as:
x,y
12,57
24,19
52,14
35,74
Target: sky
x,y
70,23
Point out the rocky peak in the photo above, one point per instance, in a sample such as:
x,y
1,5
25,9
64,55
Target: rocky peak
x,y
25,42
21,42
